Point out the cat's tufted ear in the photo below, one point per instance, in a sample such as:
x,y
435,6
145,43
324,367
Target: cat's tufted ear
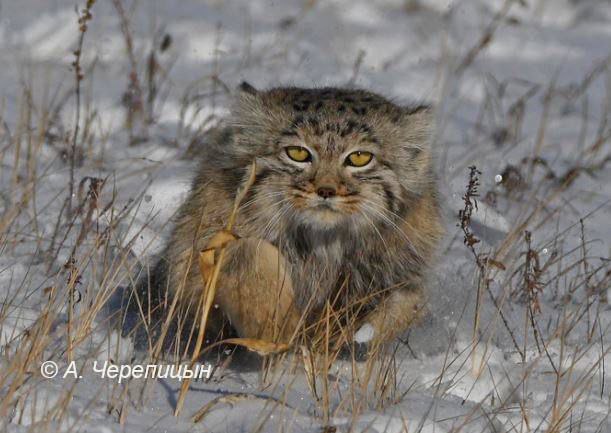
x,y
418,123
246,100
247,104
246,87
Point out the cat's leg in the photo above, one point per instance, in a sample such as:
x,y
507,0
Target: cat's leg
x,y
255,292
393,315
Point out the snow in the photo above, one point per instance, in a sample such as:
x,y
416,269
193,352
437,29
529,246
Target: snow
x,y
364,334
490,114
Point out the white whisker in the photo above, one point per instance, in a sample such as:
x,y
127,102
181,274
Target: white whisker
x,y
371,223
369,205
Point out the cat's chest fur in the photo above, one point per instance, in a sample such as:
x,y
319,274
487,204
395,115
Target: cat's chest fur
x,y
323,264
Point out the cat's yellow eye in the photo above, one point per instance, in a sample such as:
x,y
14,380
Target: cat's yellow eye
x,y
359,158
298,153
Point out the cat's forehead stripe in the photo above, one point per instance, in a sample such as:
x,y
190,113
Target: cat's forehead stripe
x,y
340,127
316,99
338,103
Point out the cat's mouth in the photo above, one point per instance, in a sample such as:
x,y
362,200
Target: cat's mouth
x,y
328,211
324,215
324,206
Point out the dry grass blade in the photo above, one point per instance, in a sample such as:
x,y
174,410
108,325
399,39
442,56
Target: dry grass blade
x,y
206,257
310,370
231,400
262,347
210,283
228,399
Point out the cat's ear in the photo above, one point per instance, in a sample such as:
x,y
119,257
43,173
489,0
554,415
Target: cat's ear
x,y
247,100
418,123
247,88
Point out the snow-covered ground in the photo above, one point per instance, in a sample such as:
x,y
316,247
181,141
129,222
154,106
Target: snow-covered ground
x,y
523,91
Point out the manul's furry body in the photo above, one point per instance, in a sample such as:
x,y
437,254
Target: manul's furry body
x,y
344,191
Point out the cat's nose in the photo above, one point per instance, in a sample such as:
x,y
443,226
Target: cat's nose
x,y
326,191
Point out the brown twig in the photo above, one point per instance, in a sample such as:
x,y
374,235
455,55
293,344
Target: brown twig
x,y
83,20
210,289
482,262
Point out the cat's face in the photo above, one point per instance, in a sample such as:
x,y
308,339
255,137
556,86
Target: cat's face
x,y
331,158
333,178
